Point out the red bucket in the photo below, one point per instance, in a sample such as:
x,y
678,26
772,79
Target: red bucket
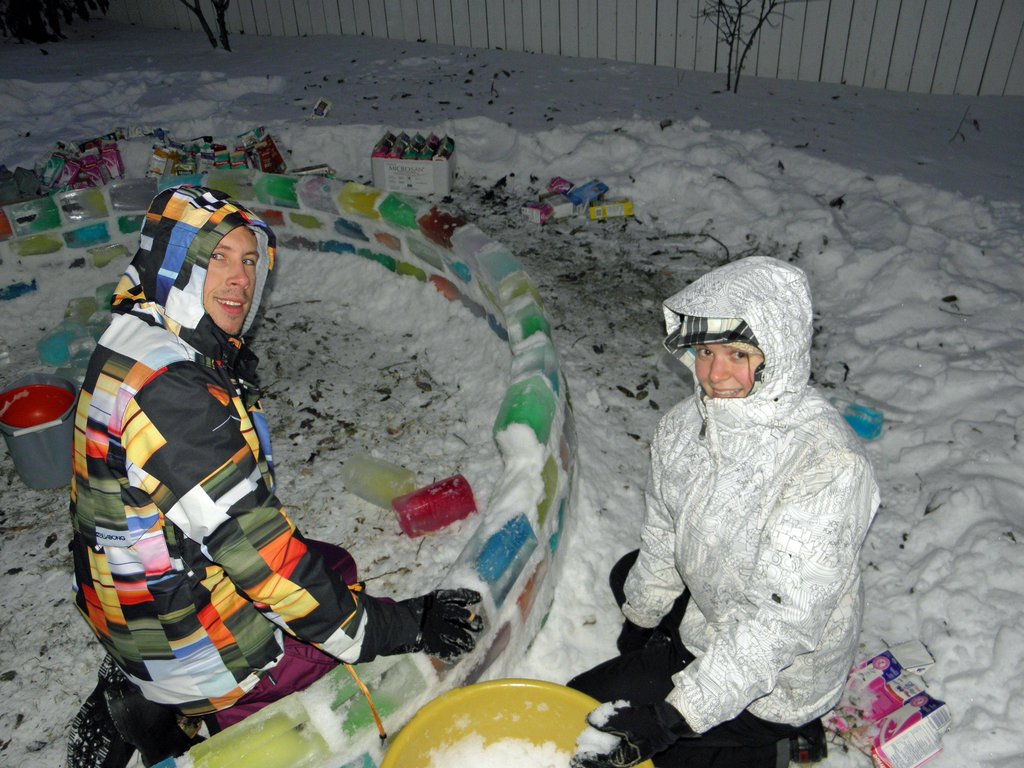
x,y
36,418
34,404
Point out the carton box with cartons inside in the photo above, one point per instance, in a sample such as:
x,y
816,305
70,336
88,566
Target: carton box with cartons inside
x,y
415,165
886,712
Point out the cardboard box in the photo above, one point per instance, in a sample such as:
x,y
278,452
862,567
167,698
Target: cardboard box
x,y
415,177
886,712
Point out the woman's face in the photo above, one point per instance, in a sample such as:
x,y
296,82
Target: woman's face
x,y
725,371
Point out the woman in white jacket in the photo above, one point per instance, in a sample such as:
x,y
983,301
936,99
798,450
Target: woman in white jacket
x,y
743,605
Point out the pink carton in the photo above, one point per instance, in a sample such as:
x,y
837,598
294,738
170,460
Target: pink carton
x,y
886,712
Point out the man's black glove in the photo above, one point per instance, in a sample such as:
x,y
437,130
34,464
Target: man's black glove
x,y
643,732
440,623
448,625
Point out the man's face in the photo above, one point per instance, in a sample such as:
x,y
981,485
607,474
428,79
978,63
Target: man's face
x,y
231,279
724,371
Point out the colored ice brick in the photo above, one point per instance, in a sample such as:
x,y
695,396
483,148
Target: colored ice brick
x,y
425,252
402,210
388,262
499,330
400,683
540,357
33,216
469,241
317,193
89,235
82,204
375,480
53,346
128,225
166,182
132,194
550,477
335,246
504,554
530,402
103,294
350,229
14,290
517,285
236,182
272,189
80,308
439,227
405,268
388,241
101,255
360,199
278,736
496,264
461,270
525,320
37,245
305,220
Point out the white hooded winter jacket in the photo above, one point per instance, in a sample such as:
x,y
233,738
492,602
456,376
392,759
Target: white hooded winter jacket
x,y
757,506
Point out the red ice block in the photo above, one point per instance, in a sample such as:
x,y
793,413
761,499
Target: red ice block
x,y
435,506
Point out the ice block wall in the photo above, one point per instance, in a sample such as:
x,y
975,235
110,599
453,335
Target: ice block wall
x,y
514,556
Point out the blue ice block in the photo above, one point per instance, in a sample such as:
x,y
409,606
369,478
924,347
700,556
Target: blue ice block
x,y
53,346
89,235
504,554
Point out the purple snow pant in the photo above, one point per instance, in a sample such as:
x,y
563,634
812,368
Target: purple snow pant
x,y
302,664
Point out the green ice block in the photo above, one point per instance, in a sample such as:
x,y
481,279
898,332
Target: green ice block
x,y
273,189
37,245
305,220
530,402
402,210
550,476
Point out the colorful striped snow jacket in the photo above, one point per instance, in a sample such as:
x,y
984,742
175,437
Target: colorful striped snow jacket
x,y
186,566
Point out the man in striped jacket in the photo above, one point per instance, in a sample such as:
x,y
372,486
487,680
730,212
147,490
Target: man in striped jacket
x,y
205,596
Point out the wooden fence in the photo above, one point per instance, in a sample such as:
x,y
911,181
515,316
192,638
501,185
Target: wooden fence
x,y
970,47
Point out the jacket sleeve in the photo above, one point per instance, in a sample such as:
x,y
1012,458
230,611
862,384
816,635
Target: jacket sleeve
x,y
189,445
654,582
808,556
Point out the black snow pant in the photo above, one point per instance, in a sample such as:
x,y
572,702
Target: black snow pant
x,y
642,674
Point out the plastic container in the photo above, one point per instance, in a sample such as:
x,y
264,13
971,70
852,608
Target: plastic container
x,y
496,710
375,480
866,422
36,418
434,506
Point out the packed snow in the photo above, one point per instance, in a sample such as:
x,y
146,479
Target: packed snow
x,y
905,210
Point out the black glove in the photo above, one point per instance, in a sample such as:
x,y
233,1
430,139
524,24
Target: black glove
x,y
643,732
448,625
440,623
634,637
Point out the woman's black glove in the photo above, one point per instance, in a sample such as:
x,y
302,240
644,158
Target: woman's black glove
x,y
643,732
634,637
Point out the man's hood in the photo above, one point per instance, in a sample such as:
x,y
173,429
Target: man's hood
x,y
774,299
182,228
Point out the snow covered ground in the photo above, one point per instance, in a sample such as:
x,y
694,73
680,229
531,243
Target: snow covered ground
x,y
905,210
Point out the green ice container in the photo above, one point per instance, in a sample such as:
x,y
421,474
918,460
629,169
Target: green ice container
x,y
82,204
375,480
526,320
33,216
530,402
279,736
274,189
550,476
402,210
236,182
405,268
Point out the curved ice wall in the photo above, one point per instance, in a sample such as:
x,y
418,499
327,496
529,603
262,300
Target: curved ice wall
x,y
514,557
